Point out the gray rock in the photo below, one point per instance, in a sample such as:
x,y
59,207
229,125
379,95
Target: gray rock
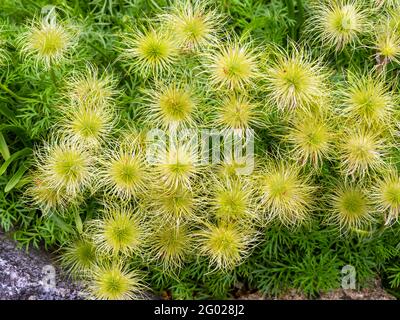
x,y
32,275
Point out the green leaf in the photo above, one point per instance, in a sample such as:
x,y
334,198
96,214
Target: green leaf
x,y
7,112
20,132
22,182
13,157
61,223
15,178
78,222
4,148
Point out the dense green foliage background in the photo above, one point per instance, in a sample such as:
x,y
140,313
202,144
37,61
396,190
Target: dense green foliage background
x,y
309,259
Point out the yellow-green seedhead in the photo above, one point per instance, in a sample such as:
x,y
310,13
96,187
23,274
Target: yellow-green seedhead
x,y
233,66
79,257
351,208
295,80
367,100
387,45
286,194
114,281
67,167
232,199
338,23
124,173
225,245
237,111
311,137
87,124
170,245
150,52
173,205
177,166
193,26
89,88
120,230
361,152
47,42
386,196
48,199
171,106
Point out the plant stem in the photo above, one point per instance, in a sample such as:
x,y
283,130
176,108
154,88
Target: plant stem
x,y
290,8
53,76
11,93
98,49
300,16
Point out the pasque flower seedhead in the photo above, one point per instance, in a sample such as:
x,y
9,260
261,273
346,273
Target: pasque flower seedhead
x,y
120,230
48,42
150,52
233,65
286,194
386,196
295,80
115,281
225,245
66,167
338,23
351,208
194,27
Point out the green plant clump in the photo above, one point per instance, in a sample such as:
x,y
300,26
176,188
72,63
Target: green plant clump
x,y
309,87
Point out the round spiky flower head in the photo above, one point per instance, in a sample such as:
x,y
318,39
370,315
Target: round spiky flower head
x,y
150,52
114,281
48,42
338,23
90,88
387,45
232,199
237,112
225,245
177,165
66,166
171,106
124,173
295,81
78,257
43,196
171,244
361,152
175,204
87,124
312,139
350,208
386,196
286,194
119,230
233,66
193,25
367,100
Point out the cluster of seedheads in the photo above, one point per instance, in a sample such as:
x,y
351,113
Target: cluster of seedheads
x,y
175,211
